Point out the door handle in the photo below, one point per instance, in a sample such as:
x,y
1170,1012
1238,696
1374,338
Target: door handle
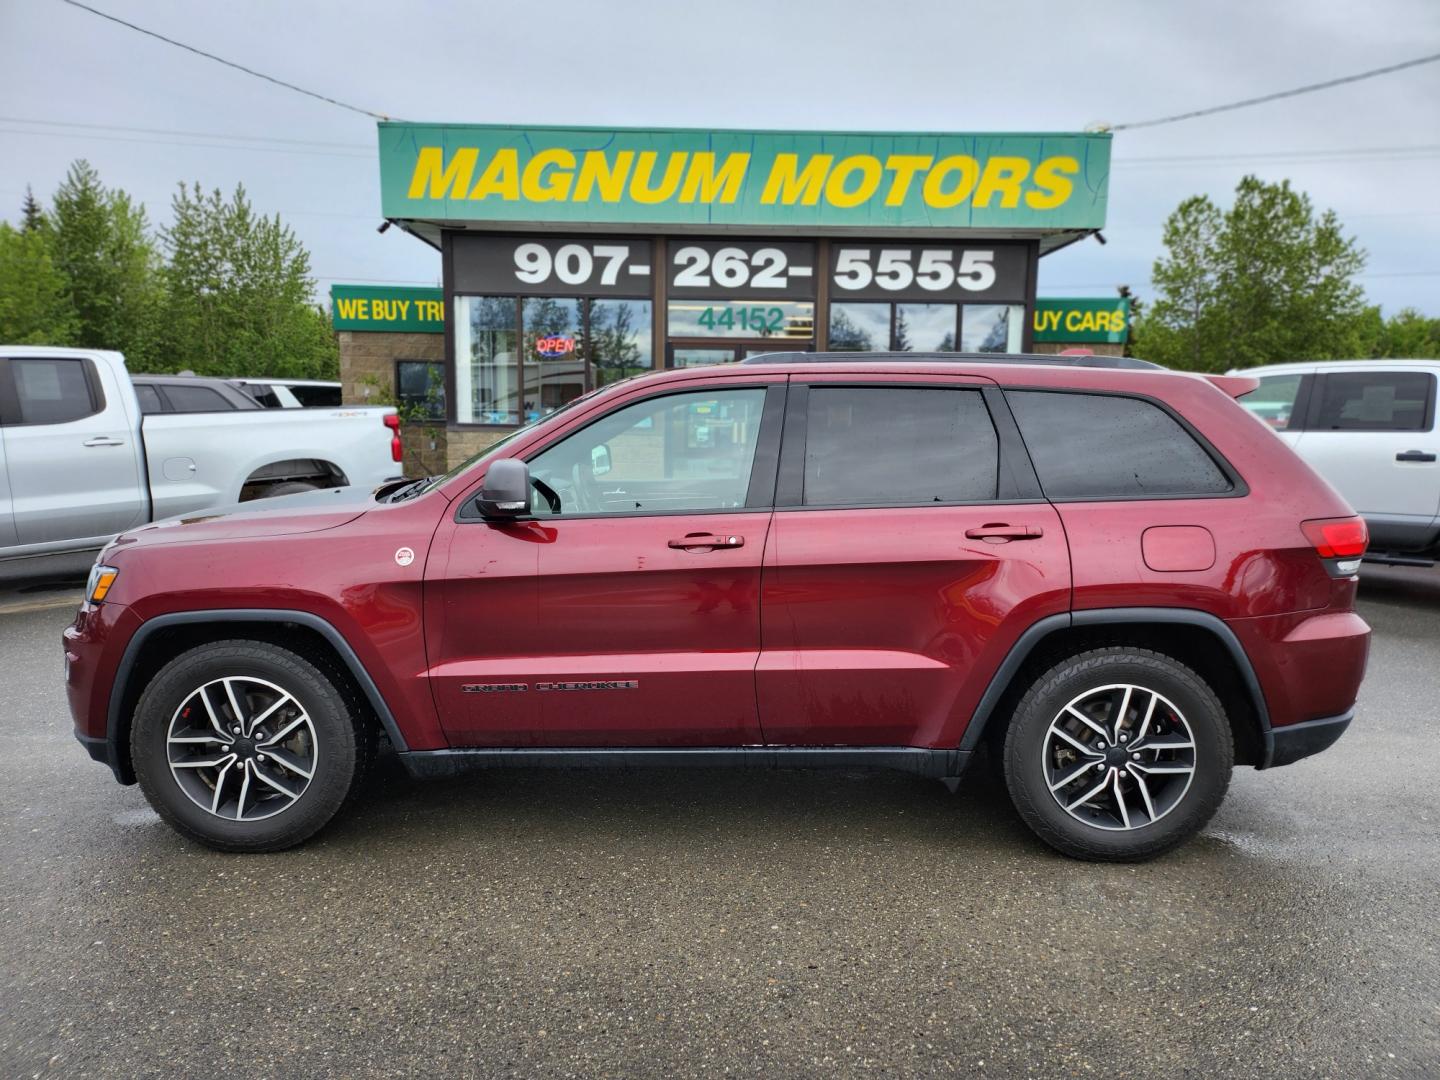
x,y
706,542
103,440
1414,455
1000,533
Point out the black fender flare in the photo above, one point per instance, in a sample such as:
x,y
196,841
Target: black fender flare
x,y
1038,631
117,758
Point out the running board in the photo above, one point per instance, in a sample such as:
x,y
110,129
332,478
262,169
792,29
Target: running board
x,y
936,764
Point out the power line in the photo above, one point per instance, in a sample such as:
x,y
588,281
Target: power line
x,y
1338,154
188,134
190,142
1245,104
227,63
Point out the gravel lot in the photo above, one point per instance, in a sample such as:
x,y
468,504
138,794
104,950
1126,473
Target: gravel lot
x,y
683,923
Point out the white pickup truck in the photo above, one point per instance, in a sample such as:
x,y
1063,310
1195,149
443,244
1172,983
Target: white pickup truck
x,y
79,463
1370,428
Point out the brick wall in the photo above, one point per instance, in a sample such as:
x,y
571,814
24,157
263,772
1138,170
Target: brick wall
x,y
462,443
367,377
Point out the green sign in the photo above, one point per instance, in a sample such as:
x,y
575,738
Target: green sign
x,y
754,179
387,308
1078,321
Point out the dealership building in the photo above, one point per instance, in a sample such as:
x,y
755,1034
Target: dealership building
x,y
572,257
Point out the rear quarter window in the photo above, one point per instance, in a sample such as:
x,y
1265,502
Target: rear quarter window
x,y
1102,446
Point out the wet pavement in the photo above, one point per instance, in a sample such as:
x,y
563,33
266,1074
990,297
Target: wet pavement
x,y
626,923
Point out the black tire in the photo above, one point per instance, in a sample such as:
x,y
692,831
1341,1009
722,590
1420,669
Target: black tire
x,y
1026,748
343,742
290,487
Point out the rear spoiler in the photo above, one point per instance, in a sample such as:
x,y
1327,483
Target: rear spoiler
x,y
1237,386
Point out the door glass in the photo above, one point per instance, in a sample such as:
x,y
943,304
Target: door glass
x,y
1274,399
192,399
149,399
701,357
868,446
555,355
925,327
673,453
52,391
1375,401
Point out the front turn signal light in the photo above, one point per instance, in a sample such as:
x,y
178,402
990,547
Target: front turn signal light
x,y
101,578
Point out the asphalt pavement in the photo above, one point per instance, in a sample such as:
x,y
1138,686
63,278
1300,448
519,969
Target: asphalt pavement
x,y
710,923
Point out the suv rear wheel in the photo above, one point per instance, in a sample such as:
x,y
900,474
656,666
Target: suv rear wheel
x,y
1118,754
247,746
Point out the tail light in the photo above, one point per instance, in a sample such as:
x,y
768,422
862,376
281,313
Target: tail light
x,y
1339,541
397,452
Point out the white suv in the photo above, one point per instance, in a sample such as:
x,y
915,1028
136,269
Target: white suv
x,y
1368,427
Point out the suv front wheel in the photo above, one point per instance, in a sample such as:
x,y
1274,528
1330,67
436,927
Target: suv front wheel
x,y
1118,754
247,746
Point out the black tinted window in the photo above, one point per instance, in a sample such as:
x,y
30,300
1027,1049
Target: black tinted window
x,y
876,445
196,399
52,391
149,399
1099,446
313,396
262,394
1375,401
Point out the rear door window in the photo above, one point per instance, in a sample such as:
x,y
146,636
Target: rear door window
x,y
1103,446
907,446
1273,401
1376,401
317,396
149,399
192,399
56,391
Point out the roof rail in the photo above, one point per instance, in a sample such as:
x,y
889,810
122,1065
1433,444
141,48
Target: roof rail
x,y
1126,362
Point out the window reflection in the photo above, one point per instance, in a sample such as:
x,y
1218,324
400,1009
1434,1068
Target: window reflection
x,y
859,327
991,328
925,327
487,387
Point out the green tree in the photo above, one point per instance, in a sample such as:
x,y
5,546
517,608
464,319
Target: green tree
x,y
1265,281
238,289
35,306
32,214
100,242
1407,335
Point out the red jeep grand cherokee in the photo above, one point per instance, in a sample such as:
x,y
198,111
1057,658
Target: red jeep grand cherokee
x,y
1111,575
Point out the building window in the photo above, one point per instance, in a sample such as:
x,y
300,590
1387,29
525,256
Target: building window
x,y
554,353
925,327
487,377
979,328
420,389
788,320
521,358
992,328
619,335
859,327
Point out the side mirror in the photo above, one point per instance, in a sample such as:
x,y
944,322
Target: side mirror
x,y
506,493
600,460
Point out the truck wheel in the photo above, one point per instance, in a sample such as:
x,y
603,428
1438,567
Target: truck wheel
x,y
290,487
1118,754
247,746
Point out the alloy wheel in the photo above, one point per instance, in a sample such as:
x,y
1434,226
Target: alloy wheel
x,y
242,748
1119,757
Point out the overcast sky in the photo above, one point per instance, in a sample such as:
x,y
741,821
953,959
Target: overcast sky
x,y
945,65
